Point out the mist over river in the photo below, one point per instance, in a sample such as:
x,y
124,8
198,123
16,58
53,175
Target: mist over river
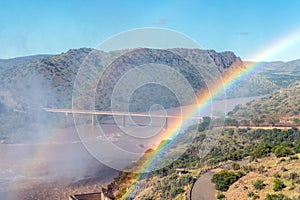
x,y
61,165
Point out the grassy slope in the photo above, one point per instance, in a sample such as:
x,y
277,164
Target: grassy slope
x,y
271,166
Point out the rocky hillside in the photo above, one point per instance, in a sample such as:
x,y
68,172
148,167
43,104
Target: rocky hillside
x,y
268,178
6,64
282,106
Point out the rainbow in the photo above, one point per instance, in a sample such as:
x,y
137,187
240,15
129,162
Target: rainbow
x,y
229,79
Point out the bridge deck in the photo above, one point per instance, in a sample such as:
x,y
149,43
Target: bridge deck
x,y
116,113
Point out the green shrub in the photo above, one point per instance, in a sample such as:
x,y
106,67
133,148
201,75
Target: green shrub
x,y
231,122
205,124
235,166
256,196
260,151
276,197
294,176
278,185
240,174
251,194
175,191
261,169
276,175
283,151
221,196
259,184
224,179
295,157
297,146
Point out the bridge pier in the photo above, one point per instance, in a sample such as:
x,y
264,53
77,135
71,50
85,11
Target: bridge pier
x,y
93,121
123,120
166,124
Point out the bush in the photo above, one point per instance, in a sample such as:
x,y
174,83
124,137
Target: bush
x,y
261,169
205,124
175,191
278,185
294,176
295,157
235,166
221,196
283,151
276,197
251,194
297,146
261,151
240,174
231,122
259,184
276,175
224,179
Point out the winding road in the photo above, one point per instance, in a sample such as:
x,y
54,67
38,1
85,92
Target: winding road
x,y
203,188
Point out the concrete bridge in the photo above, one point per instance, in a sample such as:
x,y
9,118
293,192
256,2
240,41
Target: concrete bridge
x,y
93,113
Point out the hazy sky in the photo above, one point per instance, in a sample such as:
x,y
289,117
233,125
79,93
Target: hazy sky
x,y
245,27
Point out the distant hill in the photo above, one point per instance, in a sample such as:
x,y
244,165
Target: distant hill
x,y
7,63
281,73
282,106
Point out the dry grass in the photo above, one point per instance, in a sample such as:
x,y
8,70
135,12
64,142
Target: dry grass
x,y
272,166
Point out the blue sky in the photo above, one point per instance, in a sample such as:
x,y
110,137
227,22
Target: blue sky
x,y
244,27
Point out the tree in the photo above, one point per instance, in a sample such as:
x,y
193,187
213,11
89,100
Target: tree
x,y
205,124
283,151
257,121
245,122
224,179
260,151
231,122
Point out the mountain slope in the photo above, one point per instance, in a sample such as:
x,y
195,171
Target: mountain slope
x,y
260,181
12,62
282,106
281,73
